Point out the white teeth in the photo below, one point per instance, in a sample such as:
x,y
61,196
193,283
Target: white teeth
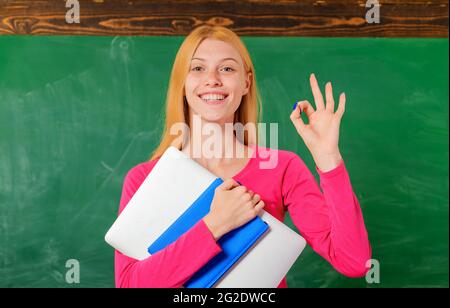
x,y
208,97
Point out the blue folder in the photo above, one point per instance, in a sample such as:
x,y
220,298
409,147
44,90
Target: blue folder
x,y
234,244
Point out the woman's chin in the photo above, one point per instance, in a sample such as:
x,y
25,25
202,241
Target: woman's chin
x,y
214,117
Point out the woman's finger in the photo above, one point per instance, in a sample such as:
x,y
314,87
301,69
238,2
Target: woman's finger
x,y
256,198
318,98
341,107
296,119
251,193
259,206
306,107
329,97
228,184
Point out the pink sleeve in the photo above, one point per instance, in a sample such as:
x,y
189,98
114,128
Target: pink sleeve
x,y
332,223
170,267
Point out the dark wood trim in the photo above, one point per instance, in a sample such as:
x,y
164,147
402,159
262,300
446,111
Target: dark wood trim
x,y
338,18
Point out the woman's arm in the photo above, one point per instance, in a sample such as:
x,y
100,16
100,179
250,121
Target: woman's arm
x,y
332,223
172,266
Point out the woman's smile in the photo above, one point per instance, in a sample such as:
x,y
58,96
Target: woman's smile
x,y
214,98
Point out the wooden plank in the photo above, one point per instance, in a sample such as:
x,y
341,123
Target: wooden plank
x,y
339,18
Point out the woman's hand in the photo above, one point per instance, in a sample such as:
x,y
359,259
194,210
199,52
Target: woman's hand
x,y
321,134
233,205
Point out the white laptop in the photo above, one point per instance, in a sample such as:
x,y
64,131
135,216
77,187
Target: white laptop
x,y
173,184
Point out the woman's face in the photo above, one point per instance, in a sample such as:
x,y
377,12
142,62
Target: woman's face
x,y
216,81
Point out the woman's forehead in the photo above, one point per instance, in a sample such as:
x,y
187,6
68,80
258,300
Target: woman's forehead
x,y
216,50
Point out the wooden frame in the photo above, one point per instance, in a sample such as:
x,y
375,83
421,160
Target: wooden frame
x,y
339,18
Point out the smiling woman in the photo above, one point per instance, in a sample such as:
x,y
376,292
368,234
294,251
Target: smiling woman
x,y
213,82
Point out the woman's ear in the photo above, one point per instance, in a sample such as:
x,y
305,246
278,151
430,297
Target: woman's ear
x,y
248,83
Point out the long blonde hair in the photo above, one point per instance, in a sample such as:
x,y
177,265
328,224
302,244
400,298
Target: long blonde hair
x,y
177,109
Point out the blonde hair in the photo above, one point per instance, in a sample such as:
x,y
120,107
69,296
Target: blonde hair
x,y
177,109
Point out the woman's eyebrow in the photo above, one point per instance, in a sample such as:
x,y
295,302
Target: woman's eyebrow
x,y
201,59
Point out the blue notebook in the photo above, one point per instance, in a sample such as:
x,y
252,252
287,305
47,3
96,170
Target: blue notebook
x,y
234,244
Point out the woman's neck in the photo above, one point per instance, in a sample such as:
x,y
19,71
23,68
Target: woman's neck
x,y
214,144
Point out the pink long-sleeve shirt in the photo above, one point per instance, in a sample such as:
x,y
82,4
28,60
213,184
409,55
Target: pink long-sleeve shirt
x,y
331,222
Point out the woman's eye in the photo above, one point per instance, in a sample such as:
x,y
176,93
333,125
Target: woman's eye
x,y
229,68
196,68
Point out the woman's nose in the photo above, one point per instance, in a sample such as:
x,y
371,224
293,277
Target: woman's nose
x,y
212,79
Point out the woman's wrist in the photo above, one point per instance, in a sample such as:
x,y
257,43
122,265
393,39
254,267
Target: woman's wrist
x,y
327,162
215,229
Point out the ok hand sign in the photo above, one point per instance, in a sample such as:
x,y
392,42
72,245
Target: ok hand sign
x,y
321,134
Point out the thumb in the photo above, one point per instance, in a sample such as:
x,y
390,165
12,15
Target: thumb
x,y
228,184
296,117
297,120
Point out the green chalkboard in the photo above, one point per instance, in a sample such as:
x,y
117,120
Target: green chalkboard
x,y
76,113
